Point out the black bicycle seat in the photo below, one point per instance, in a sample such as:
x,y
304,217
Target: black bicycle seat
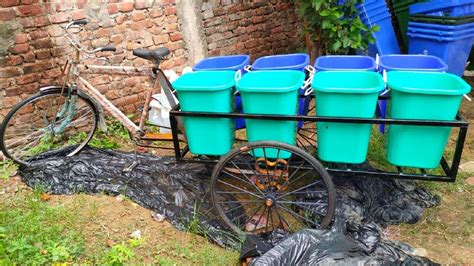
x,y
154,55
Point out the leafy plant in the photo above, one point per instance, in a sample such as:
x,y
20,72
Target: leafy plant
x,y
7,169
119,254
333,28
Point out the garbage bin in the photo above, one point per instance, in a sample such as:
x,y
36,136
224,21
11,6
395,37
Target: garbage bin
x,y
297,61
207,91
228,62
275,93
345,94
454,51
425,96
401,62
345,63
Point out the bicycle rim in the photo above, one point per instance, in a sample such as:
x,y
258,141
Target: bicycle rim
x,y
46,125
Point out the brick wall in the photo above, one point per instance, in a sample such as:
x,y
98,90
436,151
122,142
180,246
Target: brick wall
x,y
32,45
257,28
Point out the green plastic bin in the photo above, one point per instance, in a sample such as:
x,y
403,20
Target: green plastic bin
x,y
426,96
275,93
345,94
207,91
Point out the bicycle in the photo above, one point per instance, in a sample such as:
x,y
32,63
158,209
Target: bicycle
x,y
63,119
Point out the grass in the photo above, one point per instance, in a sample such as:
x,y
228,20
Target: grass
x,y
36,229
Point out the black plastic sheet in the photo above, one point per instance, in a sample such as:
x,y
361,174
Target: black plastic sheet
x,y
365,206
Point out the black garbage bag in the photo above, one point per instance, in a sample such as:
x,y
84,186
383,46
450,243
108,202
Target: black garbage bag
x,y
330,247
365,206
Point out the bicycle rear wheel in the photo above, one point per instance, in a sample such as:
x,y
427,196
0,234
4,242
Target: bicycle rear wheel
x,y
47,124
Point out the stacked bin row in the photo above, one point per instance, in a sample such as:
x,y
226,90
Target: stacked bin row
x,y
344,86
444,28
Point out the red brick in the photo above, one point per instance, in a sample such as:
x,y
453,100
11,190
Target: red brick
x,y
81,3
103,32
168,2
125,7
60,17
78,14
29,10
112,8
52,73
21,38
28,2
138,15
29,57
156,12
170,11
36,67
27,22
7,14
41,21
43,54
10,101
8,3
59,51
176,37
14,60
7,72
30,78
38,34
120,19
64,5
142,4
19,48
43,43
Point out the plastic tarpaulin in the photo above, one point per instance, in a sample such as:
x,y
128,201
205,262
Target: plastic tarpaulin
x,y
181,193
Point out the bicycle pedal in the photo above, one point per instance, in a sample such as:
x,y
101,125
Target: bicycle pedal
x,y
130,168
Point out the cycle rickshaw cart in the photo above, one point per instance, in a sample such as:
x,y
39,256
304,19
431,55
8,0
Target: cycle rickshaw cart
x,y
257,186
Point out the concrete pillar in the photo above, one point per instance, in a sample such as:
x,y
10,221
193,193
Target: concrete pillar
x,y
189,13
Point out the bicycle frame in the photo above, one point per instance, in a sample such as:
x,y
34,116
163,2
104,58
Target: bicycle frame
x,y
156,75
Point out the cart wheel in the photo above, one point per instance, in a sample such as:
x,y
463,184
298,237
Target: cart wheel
x,y
306,135
274,186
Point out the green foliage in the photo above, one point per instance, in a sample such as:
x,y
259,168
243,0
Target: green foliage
x,y
34,233
119,254
335,29
7,169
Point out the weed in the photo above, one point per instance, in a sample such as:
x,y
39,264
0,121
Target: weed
x,y
7,169
162,261
119,254
33,232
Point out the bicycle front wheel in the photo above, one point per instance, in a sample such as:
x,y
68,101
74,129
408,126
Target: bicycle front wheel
x,y
47,124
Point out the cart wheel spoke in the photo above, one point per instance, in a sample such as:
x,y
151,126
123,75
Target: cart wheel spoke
x,y
285,188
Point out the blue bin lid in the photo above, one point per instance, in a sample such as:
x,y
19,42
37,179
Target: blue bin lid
x,y
271,81
229,62
345,63
440,38
205,81
411,62
432,26
282,62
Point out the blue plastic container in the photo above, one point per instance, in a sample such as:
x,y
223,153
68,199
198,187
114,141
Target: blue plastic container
x,y
452,8
286,62
228,62
454,51
410,62
282,62
385,39
442,33
441,26
345,63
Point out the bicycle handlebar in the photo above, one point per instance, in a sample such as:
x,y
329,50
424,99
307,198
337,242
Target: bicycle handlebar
x,y
77,45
